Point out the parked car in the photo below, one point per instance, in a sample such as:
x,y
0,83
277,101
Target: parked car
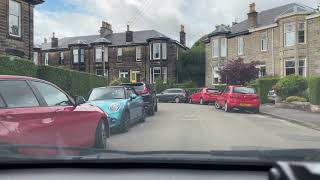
x,y
176,95
122,104
148,93
238,97
205,96
36,112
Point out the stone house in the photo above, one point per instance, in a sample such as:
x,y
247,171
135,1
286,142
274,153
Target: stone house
x,y
137,55
16,27
282,40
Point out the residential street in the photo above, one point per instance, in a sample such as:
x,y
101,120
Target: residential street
x,y
202,128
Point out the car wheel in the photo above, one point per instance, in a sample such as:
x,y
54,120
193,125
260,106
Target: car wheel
x,y
257,111
217,106
226,108
125,123
177,100
151,110
156,108
101,136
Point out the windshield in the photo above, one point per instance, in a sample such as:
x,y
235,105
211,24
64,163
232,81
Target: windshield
x,y
107,93
151,77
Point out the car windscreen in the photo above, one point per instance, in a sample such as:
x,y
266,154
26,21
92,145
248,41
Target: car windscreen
x,y
107,93
244,90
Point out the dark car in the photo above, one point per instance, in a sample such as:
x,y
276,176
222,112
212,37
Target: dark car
x,y
176,95
148,93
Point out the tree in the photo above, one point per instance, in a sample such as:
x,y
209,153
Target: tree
x,y
236,72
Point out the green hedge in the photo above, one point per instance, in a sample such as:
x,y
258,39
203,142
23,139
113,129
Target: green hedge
x,y
73,82
16,66
291,85
314,90
264,85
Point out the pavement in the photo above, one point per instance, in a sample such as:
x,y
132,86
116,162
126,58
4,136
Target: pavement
x,y
189,127
304,118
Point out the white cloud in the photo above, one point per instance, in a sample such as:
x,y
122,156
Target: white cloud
x,y
198,16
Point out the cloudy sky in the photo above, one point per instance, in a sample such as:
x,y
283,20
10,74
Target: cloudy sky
x,y
83,17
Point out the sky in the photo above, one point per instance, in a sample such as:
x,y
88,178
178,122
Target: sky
x,y
83,17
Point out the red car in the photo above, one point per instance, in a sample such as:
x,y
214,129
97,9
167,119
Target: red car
x,y
205,96
238,97
36,112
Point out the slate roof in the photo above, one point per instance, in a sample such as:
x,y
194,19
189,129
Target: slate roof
x,y
116,39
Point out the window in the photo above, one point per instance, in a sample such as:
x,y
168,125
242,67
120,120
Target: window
x,y
150,51
165,74
215,48
81,55
61,58
290,67
302,68
52,95
156,74
98,54
138,53
106,54
156,50
17,94
14,18
123,74
36,58
215,75
223,47
75,53
119,55
99,72
164,50
289,34
46,59
262,70
264,41
240,45
301,33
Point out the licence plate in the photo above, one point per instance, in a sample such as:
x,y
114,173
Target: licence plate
x,y
245,105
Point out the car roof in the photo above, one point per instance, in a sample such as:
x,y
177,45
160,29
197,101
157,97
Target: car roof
x,y
17,77
176,89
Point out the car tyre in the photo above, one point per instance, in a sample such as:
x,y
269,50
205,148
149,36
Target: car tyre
x,y
177,100
101,135
257,111
217,106
226,107
125,123
151,110
156,108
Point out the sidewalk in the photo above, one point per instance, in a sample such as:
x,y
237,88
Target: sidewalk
x,y
307,119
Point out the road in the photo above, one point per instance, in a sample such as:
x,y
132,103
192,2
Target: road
x,y
190,127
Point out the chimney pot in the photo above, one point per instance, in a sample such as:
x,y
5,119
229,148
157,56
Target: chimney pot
x,y
182,28
252,7
128,27
182,36
54,41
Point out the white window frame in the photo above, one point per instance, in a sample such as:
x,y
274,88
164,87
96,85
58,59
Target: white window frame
x,y
153,73
138,53
154,52
119,54
36,57
286,32
164,72
215,74
18,16
215,48
123,74
264,41
164,51
285,66
75,54
223,49
98,54
61,57
46,59
304,67
260,73
304,30
240,46
82,54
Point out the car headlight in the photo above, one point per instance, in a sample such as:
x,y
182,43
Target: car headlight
x,y
114,107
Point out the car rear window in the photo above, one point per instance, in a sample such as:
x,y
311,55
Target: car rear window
x,y
213,90
136,86
244,90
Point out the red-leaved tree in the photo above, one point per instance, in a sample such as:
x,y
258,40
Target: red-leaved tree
x,y
236,72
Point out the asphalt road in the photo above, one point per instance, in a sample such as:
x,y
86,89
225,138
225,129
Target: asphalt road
x,y
189,127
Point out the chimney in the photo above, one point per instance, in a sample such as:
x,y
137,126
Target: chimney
x,y
253,16
54,41
182,36
129,34
106,29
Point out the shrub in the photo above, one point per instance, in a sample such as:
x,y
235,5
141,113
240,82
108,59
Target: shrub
x,y
314,90
188,84
264,85
17,66
296,99
291,86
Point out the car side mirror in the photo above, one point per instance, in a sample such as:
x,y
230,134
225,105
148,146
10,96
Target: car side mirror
x,y
133,96
79,100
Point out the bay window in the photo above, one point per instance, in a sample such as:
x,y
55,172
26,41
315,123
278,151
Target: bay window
x,y
14,18
138,53
165,74
36,58
215,75
61,59
289,34
164,50
264,41
290,67
156,50
156,74
98,54
240,46
75,53
81,55
301,33
46,59
119,55
302,67
215,48
262,70
223,47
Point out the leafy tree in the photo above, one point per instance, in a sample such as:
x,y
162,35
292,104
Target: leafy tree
x,y
236,72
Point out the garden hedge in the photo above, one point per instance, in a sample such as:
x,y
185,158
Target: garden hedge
x,y
73,82
314,90
264,85
291,85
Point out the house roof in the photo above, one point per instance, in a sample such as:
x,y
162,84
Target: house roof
x,y
35,2
116,39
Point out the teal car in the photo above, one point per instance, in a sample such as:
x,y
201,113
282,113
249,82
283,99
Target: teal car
x,y
121,104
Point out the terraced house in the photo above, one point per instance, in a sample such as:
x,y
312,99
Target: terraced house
x,y
16,27
283,40
136,55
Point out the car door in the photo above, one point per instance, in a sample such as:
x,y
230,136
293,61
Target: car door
x,y
224,96
133,105
25,119
138,105
70,123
